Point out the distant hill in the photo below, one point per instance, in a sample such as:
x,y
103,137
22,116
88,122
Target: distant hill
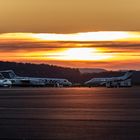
x,y
91,70
72,74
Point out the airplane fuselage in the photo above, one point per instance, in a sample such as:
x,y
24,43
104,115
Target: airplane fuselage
x,y
124,80
33,81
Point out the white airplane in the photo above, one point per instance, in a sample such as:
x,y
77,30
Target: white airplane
x,y
121,81
32,81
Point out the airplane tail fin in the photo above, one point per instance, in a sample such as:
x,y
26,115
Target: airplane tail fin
x,y
12,74
8,74
128,75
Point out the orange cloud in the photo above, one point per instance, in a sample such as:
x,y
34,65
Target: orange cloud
x,y
112,50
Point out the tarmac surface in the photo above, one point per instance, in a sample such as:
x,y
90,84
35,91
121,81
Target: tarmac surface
x,y
70,114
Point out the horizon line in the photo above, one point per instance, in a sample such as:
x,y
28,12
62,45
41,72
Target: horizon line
x,y
67,66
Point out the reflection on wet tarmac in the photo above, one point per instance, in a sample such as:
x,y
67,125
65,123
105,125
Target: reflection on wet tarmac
x,y
70,113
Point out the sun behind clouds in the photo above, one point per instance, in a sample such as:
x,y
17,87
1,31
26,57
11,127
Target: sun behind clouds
x,y
78,54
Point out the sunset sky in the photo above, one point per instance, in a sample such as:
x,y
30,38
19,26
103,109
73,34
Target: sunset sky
x,y
71,33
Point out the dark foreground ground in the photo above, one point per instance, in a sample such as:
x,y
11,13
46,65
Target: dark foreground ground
x,y
70,114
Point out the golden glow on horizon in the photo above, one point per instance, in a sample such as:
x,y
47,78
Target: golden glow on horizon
x,y
86,36
78,54
70,54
